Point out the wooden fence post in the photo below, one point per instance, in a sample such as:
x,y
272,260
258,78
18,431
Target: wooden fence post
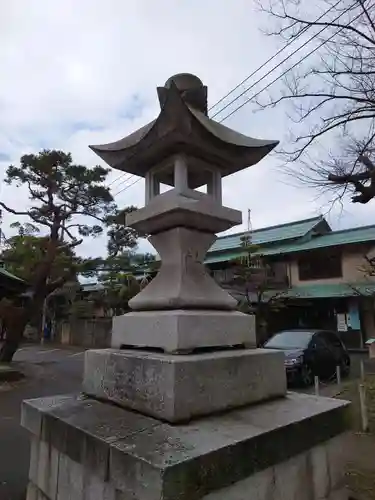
x,y
338,375
362,368
316,383
363,407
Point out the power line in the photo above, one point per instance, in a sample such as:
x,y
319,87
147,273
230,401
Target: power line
x,y
117,178
255,95
285,59
292,67
125,180
272,57
251,75
128,186
273,69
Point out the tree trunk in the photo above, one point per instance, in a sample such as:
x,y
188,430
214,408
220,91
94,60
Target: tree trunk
x,y
15,320
15,317
8,350
12,340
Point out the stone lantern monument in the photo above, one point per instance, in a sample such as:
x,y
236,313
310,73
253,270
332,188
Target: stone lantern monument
x,y
183,310
169,411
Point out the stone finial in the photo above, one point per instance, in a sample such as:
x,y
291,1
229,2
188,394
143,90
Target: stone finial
x,y
191,89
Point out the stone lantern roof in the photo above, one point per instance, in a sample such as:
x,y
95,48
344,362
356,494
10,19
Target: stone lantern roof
x,y
184,127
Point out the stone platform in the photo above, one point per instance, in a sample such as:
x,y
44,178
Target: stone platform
x,y
177,388
181,331
83,449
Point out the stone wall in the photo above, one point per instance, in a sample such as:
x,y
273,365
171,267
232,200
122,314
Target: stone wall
x,y
307,476
93,332
84,449
314,475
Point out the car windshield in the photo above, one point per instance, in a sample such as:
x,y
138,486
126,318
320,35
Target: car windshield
x,y
290,340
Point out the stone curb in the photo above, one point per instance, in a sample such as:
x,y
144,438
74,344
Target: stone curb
x,y
10,374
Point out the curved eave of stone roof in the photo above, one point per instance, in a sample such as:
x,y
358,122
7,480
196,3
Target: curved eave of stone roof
x,y
217,130
228,135
125,143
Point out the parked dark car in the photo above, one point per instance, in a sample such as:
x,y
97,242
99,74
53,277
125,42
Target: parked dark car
x,y
309,353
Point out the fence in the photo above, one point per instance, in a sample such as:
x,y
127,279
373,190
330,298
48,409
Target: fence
x,y
361,388
93,332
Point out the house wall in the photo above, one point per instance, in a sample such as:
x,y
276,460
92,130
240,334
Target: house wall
x,y
360,311
352,262
277,276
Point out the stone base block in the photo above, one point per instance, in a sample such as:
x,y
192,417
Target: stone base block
x,y
179,330
291,448
178,388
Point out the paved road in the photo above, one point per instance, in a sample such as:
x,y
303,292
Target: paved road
x,y
50,371
69,357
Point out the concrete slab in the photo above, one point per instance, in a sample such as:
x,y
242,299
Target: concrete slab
x,y
177,388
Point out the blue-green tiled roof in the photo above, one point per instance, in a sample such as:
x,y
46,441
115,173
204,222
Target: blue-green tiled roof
x,y
223,257
267,235
321,291
335,238
288,238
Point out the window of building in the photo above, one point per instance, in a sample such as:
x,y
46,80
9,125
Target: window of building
x,y
320,266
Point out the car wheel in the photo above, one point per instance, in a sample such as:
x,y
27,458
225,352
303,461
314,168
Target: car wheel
x,y
307,376
345,367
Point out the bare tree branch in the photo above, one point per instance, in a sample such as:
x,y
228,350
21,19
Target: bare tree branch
x,y
330,97
12,210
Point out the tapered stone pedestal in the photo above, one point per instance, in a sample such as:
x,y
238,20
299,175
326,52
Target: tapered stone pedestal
x,y
182,281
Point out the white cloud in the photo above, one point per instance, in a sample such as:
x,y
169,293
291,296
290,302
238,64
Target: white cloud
x,y
80,73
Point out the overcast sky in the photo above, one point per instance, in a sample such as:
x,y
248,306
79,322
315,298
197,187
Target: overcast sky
x,y
75,73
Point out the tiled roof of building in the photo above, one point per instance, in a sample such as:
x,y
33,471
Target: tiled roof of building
x,y
321,291
268,235
9,275
350,236
290,238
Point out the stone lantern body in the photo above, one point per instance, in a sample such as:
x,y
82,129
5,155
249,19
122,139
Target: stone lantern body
x,y
183,309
